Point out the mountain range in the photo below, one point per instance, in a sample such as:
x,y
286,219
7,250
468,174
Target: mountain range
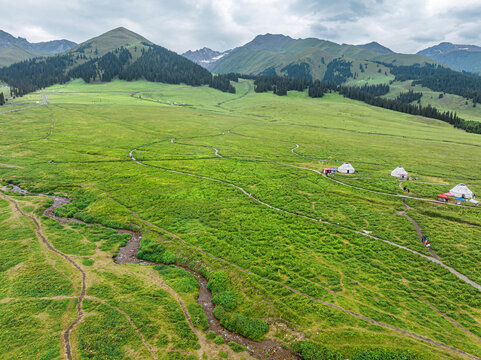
x,y
14,49
276,54
205,57
461,57
281,51
123,54
119,53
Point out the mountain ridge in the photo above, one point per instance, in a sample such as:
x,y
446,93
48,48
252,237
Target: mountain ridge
x,y
460,57
14,49
118,53
275,54
376,47
205,57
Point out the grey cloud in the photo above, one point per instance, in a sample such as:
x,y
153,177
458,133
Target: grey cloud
x,y
180,25
426,39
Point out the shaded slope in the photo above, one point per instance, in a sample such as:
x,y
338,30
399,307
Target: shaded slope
x,y
278,52
14,49
461,57
111,40
127,56
376,47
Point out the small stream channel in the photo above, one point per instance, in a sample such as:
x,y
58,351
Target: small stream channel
x,y
265,350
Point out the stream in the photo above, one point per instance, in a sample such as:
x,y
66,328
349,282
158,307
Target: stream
x,y
265,350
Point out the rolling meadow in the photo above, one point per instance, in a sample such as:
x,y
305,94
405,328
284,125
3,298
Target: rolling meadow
x,y
230,186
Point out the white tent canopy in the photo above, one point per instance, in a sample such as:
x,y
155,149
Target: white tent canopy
x,y
399,171
461,190
346,168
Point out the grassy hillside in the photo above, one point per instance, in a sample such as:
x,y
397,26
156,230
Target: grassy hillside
x,y
122,55
111,40
447,102
16,49
281,267
10,55
259,55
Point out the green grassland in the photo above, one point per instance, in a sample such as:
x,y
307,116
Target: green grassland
x,y
88,132
13,54
113,39
448,102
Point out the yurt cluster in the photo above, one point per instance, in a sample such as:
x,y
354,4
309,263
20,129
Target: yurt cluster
x,y
459,194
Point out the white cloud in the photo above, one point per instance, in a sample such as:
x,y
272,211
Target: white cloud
x,y
405,26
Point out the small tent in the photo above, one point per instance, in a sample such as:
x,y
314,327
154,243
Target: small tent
x,y
444,197
462,191
346,168
399,172
329,170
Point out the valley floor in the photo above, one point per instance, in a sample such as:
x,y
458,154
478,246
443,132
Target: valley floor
x,y
231,187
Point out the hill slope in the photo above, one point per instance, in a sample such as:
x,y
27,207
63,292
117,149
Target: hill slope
x,y
376,47
461,57
111,40
276,54
14,49
119,53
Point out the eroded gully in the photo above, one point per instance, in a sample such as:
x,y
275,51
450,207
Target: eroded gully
x,y
266,349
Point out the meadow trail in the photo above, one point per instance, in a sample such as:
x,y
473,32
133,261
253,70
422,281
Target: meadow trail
x,y
420,232
249,90
20,109
127,255
452,321
434,259
359,316
43,238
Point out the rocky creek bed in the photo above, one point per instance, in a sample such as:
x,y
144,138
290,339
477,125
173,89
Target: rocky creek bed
x,y
266,349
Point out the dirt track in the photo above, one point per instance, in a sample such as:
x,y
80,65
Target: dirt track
x,y
362,317
43,238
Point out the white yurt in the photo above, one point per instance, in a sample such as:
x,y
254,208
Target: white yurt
x,y
346,168
399,172
461,190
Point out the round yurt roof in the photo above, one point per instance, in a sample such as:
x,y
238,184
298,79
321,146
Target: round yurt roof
x,y
461,190
399,171
346,167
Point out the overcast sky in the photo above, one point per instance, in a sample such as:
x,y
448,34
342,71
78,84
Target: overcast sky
x,y
403,25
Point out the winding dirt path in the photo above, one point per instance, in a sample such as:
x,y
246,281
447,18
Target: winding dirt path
x,y
452,321
43,238
50,212
20,109
420,233
359,316
128,255
245,192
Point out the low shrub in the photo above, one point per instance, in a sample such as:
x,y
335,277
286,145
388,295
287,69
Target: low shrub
x,y
385,354
236,347
219,340
199,319
251,328
309,350
227,299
